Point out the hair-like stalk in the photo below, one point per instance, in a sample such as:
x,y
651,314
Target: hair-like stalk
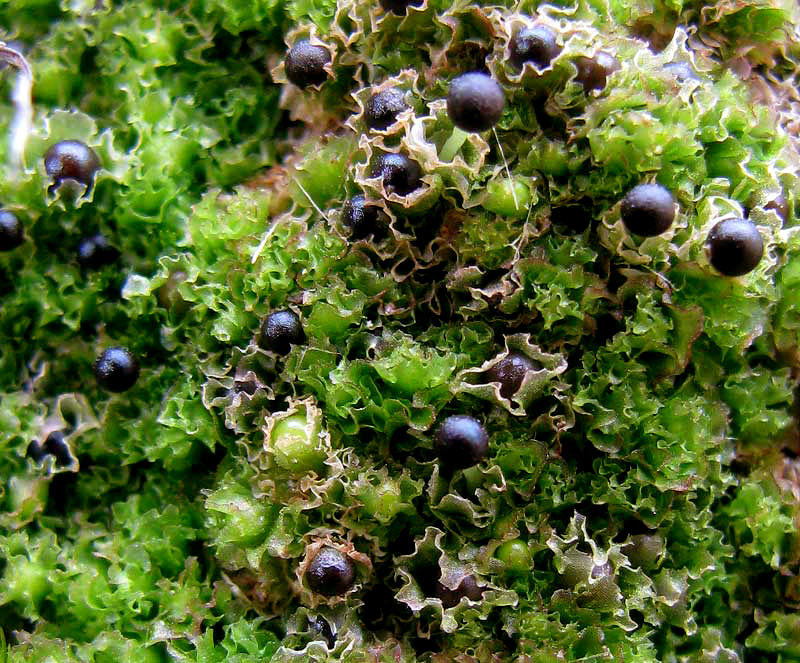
x,y
508,171
22,98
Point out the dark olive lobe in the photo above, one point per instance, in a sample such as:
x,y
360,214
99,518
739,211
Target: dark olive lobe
x,y
475,102
572,218
400,174
11,235
537,45
248,387
56,446
116,369
361,219
383,107
735,247
71,160
643,550
305,64
399,7
330,573
168,295
280,331
648,210
594,72
95,252
461,442
510,372
468,588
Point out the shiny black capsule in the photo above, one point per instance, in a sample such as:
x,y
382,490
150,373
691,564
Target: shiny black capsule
x,y
734,247
116,369
383,107
400,174
71,160
536,44
510,372
280,331
11,235
593,72
305,64
461,441
95,252
475,102
359,218
648,210
330,573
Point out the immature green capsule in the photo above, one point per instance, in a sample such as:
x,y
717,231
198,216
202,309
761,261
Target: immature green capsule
x,y
515,555
381,502
502,199
238,517
296,445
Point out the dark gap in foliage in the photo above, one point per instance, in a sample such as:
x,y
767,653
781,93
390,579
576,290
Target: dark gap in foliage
x,y
638,617
740,467
431,645
608,325
381,611
615,280
88,63
61,493
553,126
12,621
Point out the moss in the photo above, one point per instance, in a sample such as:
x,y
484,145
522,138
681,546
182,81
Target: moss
x,y
639,498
